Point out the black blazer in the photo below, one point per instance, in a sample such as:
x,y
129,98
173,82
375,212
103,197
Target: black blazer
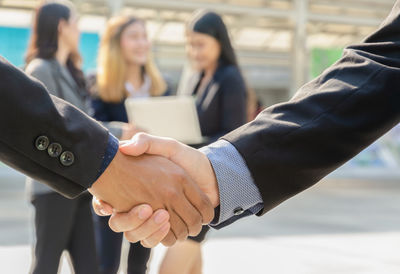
x,y
291,146
222,106
27,111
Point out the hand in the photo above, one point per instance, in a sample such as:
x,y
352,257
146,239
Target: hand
x,y
130,181
195,163
139,224
128,131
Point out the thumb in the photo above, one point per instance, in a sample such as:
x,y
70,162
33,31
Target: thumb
x,y
145,143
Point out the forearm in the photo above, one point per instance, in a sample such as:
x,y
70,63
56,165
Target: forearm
x,y
27,112
291,146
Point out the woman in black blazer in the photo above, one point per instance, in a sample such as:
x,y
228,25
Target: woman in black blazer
x,y
221,100
216,82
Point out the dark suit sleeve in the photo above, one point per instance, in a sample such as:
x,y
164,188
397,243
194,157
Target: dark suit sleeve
x,y
291,146
233,105
27,111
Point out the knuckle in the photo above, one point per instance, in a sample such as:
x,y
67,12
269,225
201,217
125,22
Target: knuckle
x,y
130,237
141,135
172,194
182,234
112,224
152,242
208,215
195,222
169,240
146,243
180,177
206,209
172,142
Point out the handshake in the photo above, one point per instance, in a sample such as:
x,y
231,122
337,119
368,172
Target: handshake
x,y
174,180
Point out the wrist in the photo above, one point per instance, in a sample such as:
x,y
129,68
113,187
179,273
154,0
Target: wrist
x,y
213,190
106,187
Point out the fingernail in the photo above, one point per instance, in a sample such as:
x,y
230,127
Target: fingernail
x,y
102,211
160,217
143,213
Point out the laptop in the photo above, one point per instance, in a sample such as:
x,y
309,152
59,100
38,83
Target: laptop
x,y
168,116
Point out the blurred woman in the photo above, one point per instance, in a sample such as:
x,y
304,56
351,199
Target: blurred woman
x,y
126,70
60,224
220,92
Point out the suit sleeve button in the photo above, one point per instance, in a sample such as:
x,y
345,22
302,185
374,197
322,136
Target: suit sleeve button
x,y
42,142
67,158
54,150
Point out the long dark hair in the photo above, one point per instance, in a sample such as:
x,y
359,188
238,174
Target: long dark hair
x,y
210,23
44,39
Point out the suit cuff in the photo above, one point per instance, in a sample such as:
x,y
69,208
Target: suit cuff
x,y
111,150
239,196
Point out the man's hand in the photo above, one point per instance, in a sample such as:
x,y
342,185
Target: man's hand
x,y
195,163
131,181
139,224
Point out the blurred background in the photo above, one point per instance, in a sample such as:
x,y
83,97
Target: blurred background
x,y
348,223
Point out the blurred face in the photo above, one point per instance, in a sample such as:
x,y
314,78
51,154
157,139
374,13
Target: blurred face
x,y
69,32
203,50
135,45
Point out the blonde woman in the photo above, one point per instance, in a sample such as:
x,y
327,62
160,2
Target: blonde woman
x,y
126,70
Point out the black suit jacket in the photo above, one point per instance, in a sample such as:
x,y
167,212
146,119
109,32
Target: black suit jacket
x,y
221,107
27,111
291,146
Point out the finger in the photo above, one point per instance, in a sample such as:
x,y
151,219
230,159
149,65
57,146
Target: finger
x,y
200,201
156,237
144,143
178,226
190,216
101,208
120,222
123,142
152,225
170,239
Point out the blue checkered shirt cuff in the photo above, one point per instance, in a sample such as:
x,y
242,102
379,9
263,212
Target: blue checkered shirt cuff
x,y
239,195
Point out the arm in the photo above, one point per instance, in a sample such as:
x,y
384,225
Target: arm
x,y
291,146
27,112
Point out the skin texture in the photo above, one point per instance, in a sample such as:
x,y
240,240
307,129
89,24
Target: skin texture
x,y
135,45
68,33
202,50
